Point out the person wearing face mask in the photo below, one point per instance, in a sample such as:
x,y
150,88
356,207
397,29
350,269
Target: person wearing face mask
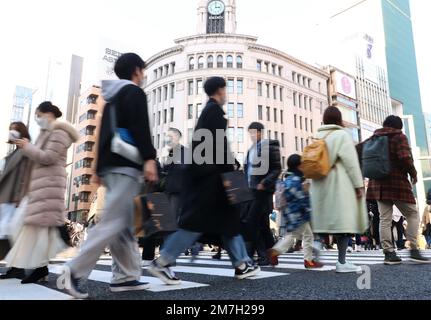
x,y
14,179
39,239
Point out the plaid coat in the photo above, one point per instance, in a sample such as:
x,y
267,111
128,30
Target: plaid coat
x,y
397,187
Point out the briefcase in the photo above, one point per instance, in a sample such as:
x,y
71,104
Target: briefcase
x,y
237,190
153,215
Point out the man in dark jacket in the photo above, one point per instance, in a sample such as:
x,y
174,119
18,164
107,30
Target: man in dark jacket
x,y
127,102
206,208
262,168
397,191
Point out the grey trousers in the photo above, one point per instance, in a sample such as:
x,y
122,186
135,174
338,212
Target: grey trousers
x,y
115,230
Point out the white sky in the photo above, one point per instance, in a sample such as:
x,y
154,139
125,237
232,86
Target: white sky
x,y
31,31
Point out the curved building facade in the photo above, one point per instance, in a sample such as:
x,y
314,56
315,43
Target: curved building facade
x,y
264,84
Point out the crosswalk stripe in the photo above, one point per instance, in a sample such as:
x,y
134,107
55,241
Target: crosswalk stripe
x,y
12,289
156,284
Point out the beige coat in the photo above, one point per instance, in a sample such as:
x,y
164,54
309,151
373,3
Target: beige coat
x,y
336,209
47,187
426,218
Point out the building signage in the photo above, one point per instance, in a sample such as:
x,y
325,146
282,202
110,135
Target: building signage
x,y
109,59
345,85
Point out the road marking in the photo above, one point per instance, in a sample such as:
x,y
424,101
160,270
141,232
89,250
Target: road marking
x,y
12,289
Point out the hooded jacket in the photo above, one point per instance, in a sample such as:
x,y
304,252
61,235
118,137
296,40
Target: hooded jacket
x,y
130,104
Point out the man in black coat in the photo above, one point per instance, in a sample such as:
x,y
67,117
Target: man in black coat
x,y
262,168
206,208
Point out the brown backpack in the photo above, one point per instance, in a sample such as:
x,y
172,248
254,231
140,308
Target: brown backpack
x,y
315,160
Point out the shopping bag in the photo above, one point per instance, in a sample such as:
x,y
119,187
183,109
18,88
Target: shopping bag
x,y
153,215
237,190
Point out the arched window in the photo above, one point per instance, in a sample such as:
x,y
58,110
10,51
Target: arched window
x,y
229,61
191,63
220,61
210,62
239,62
201,62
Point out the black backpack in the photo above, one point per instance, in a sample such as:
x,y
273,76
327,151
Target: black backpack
x,y
376,162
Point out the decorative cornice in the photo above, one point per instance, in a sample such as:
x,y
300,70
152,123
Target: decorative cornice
x,y
216,36
164,53
291,59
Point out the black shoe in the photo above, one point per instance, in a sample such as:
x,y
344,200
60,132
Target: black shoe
x,y
217,256
72,284
417,257
263,262
392,259
247,272
39,274
129,286
13,273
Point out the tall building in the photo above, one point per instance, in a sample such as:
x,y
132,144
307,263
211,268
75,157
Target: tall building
x,y
80,188
402,65
264,84
22,102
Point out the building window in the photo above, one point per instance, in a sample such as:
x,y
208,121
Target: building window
x,y
240,135
306,124
281,117
166,70
220,61
268,94
229,61
259,89
310,104
293,76
259,65
155,74
300,122
309,83
199,109
302,144
240,110
159,118
320,87
158,141
275,115
305,102
172,115
159,94
190,87
172,90
165,93
230,134
165,116
300,101
240,86
281,94
190,112
201,62
199,88
269,134
276,135
296,144
268,114
239,62
260,112
280,71
230,86
283,162
267,67
172,67
274,92
311,126
298,78
295,96
304,81
230,111
295,121
274,69
282,140
191,63
210,62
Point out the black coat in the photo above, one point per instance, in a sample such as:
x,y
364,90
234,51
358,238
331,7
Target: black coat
x,y
269,180
206,208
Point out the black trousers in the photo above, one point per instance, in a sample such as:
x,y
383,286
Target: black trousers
x,y
256,226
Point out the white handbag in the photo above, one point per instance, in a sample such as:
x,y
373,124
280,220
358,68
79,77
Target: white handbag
x,y
121,147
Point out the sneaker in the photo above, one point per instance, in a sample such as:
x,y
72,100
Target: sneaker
x,y
417,257
73,284
146,263
349,249
248,272
129,286
313,265
217,256
348,267
273,257
392,259
165,274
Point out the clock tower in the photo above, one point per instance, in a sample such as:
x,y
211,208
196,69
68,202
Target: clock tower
x,y
216,16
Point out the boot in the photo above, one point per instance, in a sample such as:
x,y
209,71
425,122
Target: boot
x,y
37,275
13,273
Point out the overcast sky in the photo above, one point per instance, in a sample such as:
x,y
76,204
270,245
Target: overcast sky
x,y
34,30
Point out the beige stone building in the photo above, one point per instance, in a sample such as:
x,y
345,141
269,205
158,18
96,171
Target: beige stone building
x,y
264,84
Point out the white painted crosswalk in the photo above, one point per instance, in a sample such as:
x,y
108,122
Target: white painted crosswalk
x,y
204,265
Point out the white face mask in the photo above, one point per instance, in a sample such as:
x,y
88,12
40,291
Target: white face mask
x,y
14,135
42,122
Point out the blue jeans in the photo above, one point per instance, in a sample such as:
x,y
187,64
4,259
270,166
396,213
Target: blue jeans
x,y
178,242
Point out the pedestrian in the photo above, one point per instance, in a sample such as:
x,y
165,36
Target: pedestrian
x,y
398,228
262,168
396,190
426,225
14,181
337,200
373,211
206,208
297,216
121,175
39,239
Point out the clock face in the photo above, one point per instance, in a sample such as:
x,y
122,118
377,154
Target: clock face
x,y
216,7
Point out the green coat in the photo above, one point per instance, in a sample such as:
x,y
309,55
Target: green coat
x,y
335,207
